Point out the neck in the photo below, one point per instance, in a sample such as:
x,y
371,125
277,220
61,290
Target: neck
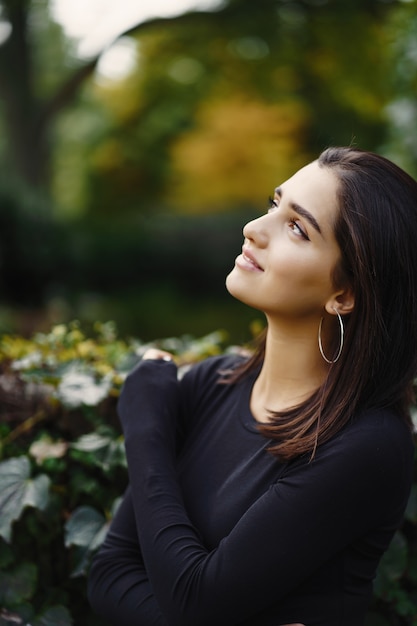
x,y
292,369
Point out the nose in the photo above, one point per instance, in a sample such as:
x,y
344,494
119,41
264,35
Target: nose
x,y
256,231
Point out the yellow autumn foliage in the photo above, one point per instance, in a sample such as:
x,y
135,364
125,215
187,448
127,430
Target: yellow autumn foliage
x,y
239,150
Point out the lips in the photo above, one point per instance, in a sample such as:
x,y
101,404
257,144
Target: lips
x,y
249,259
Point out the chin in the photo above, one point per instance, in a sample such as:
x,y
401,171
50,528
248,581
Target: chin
x,y
231,285
239,291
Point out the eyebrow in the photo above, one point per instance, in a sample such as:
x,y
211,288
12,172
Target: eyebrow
x,y
302,212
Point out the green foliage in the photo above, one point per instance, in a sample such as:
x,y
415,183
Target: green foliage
x,y
62,462
19,491
273,52
63,472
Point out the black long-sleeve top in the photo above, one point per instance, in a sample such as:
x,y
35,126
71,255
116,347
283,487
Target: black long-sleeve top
x,y
221,533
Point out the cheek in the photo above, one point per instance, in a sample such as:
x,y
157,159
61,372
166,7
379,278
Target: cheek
x,y
284,264
303,272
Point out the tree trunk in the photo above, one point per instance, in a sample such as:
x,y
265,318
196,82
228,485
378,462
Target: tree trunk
x,y
26,140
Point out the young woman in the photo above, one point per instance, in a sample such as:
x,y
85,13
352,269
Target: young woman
x,y
264,491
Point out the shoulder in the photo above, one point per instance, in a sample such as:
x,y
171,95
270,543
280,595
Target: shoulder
x,y
373,454
368,466
377,431
210,370
201,384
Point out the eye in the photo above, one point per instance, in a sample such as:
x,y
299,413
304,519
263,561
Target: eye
x,y
297,230
272,204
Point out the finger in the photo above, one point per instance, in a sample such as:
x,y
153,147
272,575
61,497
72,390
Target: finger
x,y
155,353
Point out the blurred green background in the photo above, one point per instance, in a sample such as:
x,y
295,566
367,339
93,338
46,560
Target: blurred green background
x,y
126,176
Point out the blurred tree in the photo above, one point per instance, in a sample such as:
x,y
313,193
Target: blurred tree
x,y
401,109
313,70
326,54
239,150
219,107
39,77
33,58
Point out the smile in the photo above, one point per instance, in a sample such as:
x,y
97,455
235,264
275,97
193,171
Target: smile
x,y
247,261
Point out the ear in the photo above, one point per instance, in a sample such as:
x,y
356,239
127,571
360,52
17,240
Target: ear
x,y
343,301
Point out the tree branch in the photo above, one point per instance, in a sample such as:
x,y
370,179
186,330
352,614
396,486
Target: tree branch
x,y
67,91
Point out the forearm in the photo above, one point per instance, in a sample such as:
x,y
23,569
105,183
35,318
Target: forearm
x,y
118,585
191,585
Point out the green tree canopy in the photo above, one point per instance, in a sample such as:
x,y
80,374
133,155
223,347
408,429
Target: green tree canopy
x,y
116,143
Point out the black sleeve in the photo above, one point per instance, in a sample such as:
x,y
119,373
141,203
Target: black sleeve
x,y
118,586
304,519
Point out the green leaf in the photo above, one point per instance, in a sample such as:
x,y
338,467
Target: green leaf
x,y
85,528
91,442
19,585
81,561
45,448
18,490
6,554
54,616
108,453
78,388
37,494
411,511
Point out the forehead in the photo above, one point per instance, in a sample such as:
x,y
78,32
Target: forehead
x,y
315,189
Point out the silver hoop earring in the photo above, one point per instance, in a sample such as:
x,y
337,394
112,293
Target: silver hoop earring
x,y
342,334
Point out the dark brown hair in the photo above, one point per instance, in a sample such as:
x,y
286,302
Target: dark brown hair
x,y
376,229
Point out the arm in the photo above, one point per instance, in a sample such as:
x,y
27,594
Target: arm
x,y
299,523
118,585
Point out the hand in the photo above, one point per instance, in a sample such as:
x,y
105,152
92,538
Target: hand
x,y
150,395
155,353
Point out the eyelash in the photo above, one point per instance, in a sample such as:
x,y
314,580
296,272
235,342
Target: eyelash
x,y
273,204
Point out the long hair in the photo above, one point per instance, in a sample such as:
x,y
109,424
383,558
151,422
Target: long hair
x,y
376,229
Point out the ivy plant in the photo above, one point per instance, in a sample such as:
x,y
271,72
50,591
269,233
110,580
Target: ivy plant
x,y
63,473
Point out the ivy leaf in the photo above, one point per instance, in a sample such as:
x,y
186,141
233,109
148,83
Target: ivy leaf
x,y
92,442
411,511
19,585
18,490
45,448
85,529
81,561
80,387
109,453
6,555
54,616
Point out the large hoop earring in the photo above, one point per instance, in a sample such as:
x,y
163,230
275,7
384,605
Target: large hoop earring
x,y
342,335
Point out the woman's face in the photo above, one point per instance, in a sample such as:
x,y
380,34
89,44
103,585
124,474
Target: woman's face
x,y
289,254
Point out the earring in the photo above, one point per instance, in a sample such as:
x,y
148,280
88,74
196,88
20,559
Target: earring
x,y
342,334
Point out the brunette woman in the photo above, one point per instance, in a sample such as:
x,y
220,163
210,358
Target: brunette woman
x,y
264,491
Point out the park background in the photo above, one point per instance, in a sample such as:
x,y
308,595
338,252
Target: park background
x,y
130,160
126,177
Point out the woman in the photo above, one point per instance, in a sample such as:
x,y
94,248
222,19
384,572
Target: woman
x,y
264,491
